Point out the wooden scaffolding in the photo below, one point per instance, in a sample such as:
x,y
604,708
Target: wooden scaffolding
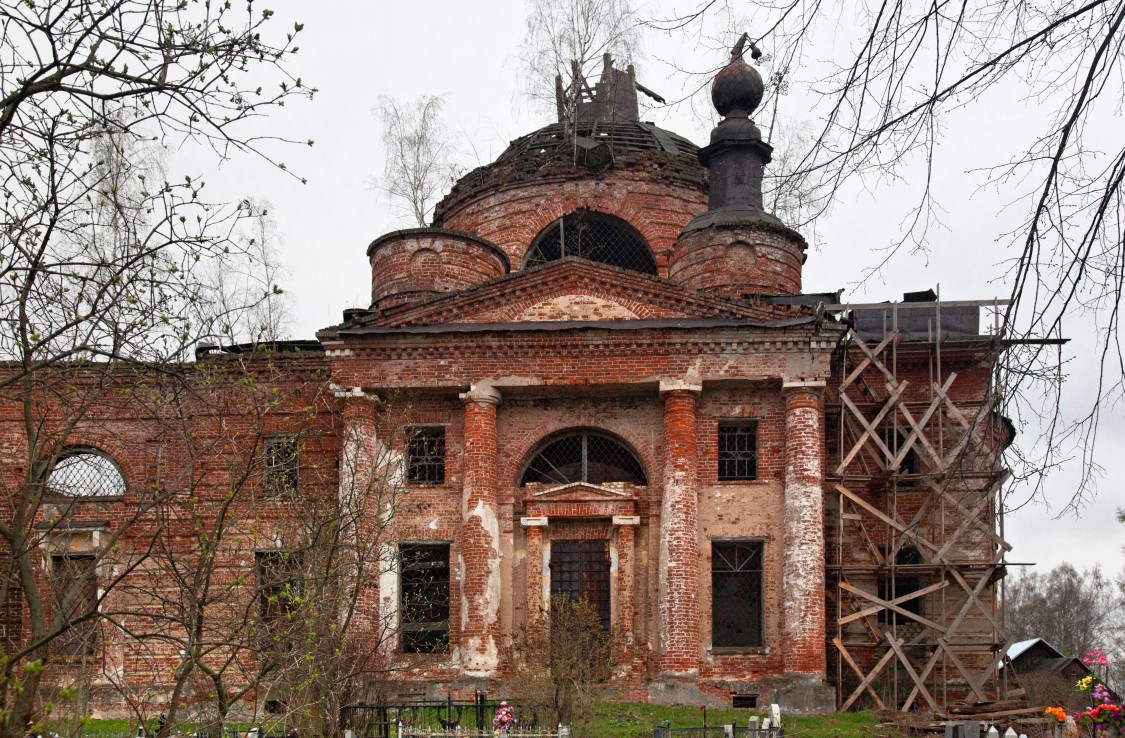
x,y
913,517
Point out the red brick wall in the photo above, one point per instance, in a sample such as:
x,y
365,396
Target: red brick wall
x,y
739,260
414,265
512,218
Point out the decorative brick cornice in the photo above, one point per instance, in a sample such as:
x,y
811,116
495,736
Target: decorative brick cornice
x,y
573,275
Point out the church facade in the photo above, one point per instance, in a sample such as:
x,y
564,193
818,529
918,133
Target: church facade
x,y
607,383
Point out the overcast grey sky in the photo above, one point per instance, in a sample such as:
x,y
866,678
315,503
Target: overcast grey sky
x,y
467,52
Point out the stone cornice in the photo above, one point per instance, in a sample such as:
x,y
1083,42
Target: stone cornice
x,y
726,340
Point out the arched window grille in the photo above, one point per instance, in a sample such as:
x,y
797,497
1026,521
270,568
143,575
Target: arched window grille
x,y
593,236
85,473
583,456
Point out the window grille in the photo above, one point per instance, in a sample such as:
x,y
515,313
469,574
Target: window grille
x,y
281,457
580,571
736,594
425,455
85,473
584,457
424,597
593,236
280,585
738,451
75,586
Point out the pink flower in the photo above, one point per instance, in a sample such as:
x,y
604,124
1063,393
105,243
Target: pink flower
x,y
1096,658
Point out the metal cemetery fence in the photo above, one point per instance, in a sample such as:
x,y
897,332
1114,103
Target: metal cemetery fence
x,y
751,730
436,718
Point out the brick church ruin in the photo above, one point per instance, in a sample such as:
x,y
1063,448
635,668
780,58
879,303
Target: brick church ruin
x,y
595,375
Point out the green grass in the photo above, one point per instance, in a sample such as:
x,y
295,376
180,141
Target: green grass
x,y
634,720
631,720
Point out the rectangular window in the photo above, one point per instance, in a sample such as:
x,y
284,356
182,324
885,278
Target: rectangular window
x,y
736,594
75,585
280,583
425,455
738,451
425,597
281,459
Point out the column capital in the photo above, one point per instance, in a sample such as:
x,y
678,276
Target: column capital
x,y
483,394
354,393
627,520
679,385
533,522
796,386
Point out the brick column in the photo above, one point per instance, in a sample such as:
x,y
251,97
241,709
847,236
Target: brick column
x,y
480,536
536,606
359,456
803,607
679,543
625,587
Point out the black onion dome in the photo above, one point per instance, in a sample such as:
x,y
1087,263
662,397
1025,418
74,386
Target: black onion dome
x,y
550,155
737,89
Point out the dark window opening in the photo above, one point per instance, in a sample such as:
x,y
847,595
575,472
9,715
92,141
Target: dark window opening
x,y
736,594
593,236
425,455
424,597
280,585
743,701
738,451
281,458
584,457
899,584
895,440
75,586
580,571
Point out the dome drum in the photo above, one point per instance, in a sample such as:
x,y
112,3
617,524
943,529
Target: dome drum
x,y
747,259
420,263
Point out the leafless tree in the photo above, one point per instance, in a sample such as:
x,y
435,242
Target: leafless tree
x,y
1073,611
562,662
571,37
101,257
883,102
418,154
248,293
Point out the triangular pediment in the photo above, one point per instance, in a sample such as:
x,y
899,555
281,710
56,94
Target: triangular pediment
x,y
578,492
571,290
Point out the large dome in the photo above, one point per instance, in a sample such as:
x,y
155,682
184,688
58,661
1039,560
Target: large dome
x,y
550,155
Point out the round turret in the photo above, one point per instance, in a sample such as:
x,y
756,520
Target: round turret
x,y
420,263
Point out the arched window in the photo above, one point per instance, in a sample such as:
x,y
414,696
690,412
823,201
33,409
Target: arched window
x,y
583,456
85,473
593,236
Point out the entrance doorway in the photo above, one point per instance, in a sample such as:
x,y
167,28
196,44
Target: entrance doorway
x,y
580,571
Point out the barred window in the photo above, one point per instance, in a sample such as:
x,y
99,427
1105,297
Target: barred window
x,y
75,587
593,236
280,585
736,594
583,457
425,455
87,473
424,597
738,451
281,459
